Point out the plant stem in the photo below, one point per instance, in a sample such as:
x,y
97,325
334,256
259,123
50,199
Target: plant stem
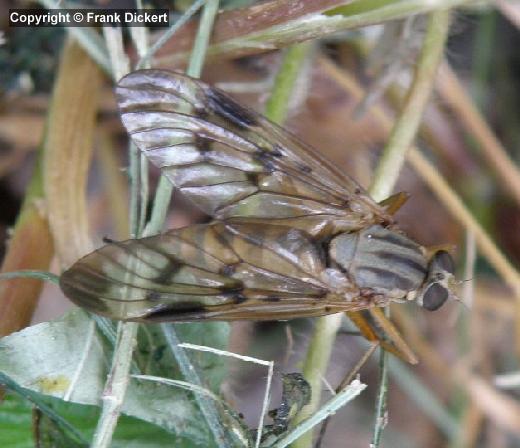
x,y
30,273
116,384
165,188
118,378
401,140
167,35
200,46
381,418
88,38
159,212
331,407
384,181
206,405
305,21
315,366
405,129
277,106
496,156
320,347
134,175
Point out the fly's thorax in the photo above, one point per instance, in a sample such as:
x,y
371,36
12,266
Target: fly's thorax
x,y
381,259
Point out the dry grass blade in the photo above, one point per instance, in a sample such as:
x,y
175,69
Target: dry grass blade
x,y
30,248
67,151
452,92
402,136
501,409
498,407
430,359
438,185
485,244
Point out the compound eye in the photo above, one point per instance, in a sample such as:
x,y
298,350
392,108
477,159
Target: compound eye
x,y
443,261
434,296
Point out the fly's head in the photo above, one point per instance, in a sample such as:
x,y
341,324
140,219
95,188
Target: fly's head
x,y
439,282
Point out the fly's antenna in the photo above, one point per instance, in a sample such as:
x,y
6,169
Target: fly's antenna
x,y
460,300
452,282
459,282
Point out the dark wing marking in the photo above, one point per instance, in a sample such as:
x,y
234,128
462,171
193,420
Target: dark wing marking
x,y
208,271
235,164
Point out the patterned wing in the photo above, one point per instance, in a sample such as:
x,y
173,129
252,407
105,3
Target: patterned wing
x,y
212,271
235,164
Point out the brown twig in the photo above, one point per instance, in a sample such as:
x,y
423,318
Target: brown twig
x,y
277,24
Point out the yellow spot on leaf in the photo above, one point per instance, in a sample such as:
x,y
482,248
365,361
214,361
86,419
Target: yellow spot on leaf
x,y
49,385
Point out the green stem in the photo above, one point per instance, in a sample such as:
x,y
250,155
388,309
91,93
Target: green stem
x,y
189,372
200,46
320,346
382,398
315,366
165,188
401,139
134,171
144,61
88,38
28,273
158,216
330,408
116,384
482,65
294,59
118,378
406,127
161,203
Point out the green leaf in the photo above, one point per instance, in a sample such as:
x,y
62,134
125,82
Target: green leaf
x,y
211,367
47,357
15,423
16,427
155,358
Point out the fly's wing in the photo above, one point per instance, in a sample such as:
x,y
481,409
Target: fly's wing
x,y
235,164
206,272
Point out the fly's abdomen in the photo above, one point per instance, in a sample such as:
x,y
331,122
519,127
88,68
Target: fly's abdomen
x,y
380,259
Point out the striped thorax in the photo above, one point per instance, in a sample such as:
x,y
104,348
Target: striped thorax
x,y
386,262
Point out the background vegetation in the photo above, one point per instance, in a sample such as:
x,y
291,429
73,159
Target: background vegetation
x,y
422,93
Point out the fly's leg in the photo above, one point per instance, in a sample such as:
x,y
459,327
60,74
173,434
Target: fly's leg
x,y
376,327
